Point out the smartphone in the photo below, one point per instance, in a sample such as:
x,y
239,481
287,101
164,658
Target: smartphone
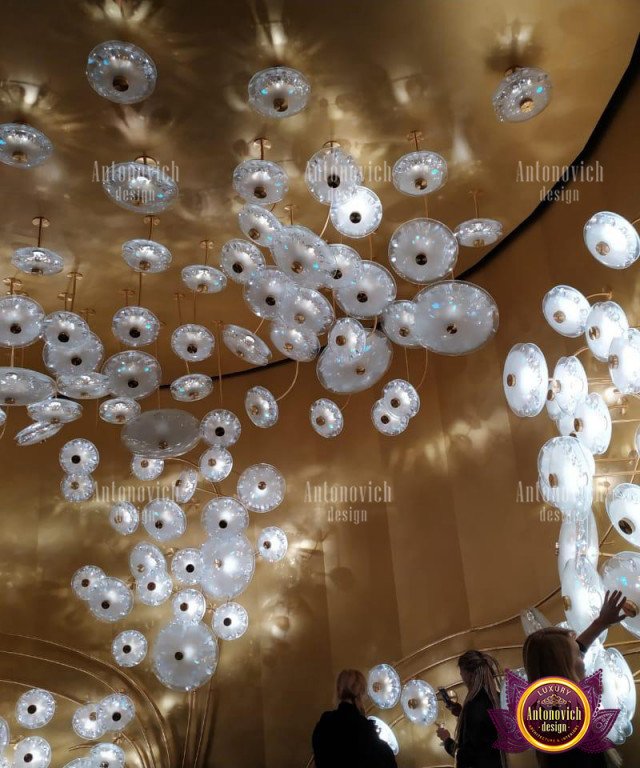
x,y
448,701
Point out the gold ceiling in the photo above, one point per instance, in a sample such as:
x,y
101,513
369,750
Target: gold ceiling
x,y
428,565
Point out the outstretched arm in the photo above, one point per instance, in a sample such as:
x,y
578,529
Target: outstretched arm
x,y
610,613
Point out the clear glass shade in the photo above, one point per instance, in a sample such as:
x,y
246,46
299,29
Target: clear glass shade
x,y
525,379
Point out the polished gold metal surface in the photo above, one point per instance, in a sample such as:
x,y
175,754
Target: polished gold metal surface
x,y
426,570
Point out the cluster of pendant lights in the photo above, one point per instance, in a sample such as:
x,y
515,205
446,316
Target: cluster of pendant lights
x,y
36,708
580,411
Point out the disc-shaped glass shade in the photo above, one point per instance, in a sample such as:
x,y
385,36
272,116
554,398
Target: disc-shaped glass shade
x,y
54,410
618,690
23,146
326,418
184,655
261,488
307,309
86,725
419,173
279,92
83,358
303,256
191,387
82,386
605,322
230,621
119,410
295,343
525,379
79,456
186,566
384,686
566,310
189,605
162,433
565,474
164,520
265,290
146,469
34,751
239,258
135,326
532,620
77,487
129,648
201,278
347,339
154,588
612,240
456,317
35,708
578,537
246,345
624,362
220,428
478,233
216,464
258,224
261,407
372,290
260,181
5,736
423,250
523,93
124,518
140,188
185,485
592,423
146,256
349,376
84,579
332,176
623,508
36,433
385,733
400,323
228,565
569,384
146,558
20,386
272,544
358,216
224,514
401,398
21,321
132,374
346,266
107,755
116,711
65,329
110,599
35,260
582,593
622,572
386,421
419,702
121,72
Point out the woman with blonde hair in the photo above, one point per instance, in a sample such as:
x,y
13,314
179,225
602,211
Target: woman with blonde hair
x,y
344,737
557,652
475,734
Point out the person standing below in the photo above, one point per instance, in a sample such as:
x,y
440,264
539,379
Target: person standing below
x,y
344,737
475,734
557,652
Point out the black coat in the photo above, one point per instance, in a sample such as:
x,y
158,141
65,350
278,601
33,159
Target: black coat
x,y
344,738
476,737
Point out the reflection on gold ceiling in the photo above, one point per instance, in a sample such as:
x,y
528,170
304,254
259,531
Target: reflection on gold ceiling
x,y
452,549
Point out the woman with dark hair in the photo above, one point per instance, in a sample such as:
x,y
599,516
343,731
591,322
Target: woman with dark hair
x,y
344,737
476,734
557,652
